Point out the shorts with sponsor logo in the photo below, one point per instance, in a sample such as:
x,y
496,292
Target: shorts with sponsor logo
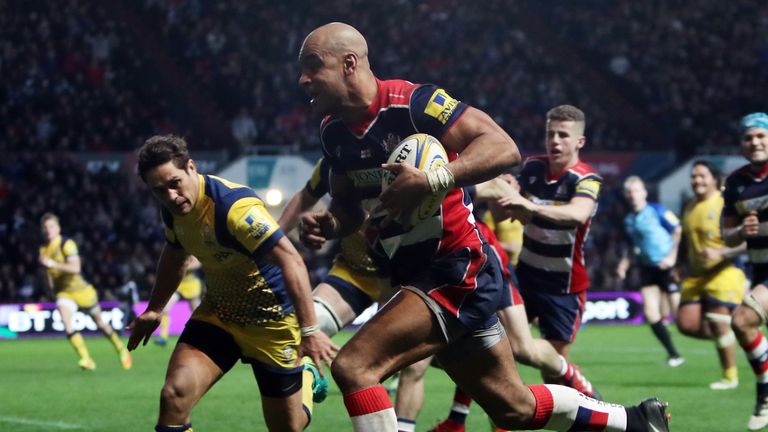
x,y
272,344
725,287
652,275
273,362
559,314
359,289
85,298
467,283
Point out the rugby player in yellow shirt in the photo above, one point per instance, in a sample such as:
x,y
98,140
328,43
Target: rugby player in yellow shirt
x,y
714,286
257,307
61,259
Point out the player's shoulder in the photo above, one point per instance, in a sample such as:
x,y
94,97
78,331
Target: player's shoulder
x,y
539,162
583,170
225,193
740,175
68,245
397,91
657,207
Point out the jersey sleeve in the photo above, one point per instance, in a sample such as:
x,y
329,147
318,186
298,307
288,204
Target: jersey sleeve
x,y
70,249
668,220
253,227
319,184
170,234
589,187
434,111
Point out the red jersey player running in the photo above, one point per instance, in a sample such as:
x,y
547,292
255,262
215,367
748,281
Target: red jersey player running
x,y
450,280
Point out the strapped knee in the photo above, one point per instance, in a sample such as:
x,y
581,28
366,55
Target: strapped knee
x,y
327,319
753,304
724,340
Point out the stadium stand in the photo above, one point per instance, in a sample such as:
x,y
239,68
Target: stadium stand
x,y
81,76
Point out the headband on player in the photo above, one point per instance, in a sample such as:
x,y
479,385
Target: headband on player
x,y
754,120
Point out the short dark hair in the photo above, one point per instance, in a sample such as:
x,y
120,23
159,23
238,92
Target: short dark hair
x,y
566,113
161,149
715,171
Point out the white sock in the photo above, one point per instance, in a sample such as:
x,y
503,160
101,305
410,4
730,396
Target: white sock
x,y
574,411
379,421
405,425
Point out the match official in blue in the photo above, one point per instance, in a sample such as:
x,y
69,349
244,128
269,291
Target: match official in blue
x,y
258,306
654,233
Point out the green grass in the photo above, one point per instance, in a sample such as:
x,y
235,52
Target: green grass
x,y
41,388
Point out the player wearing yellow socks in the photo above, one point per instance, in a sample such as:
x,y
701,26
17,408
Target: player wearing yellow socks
x,y
59,255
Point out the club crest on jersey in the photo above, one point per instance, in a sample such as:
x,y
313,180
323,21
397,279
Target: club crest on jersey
x,y
441,106
390,142
365,153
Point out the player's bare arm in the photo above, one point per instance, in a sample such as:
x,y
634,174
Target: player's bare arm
x,y
72,265
713,254
344,216
301,202
314,343
577,212
475,136
670,260
736,232
170,271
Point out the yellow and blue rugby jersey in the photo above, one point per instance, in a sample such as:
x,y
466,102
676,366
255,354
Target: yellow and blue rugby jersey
x,y
230,231
701,225
59,249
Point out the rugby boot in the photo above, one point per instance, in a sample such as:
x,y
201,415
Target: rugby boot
x,y
655,413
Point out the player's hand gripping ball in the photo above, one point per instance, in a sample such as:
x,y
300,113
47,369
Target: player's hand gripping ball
x,y
425,153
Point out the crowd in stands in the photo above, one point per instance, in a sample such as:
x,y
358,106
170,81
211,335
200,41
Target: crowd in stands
x,y
74,77
74,80
232,50
694,70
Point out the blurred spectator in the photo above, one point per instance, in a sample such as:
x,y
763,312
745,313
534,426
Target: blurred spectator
x,y
244,129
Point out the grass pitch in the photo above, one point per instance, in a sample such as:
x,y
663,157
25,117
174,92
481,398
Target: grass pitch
x,y
41,388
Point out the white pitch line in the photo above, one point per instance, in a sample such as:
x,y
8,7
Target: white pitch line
x,y
43,423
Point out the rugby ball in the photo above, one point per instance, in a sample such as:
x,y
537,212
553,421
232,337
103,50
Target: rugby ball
x,y
425,153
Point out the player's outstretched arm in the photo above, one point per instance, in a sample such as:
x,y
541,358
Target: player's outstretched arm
x,y
344,216
170,270
575,213
314,343
301,202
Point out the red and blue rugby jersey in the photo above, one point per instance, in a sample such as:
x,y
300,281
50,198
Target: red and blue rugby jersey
x,y
552,258
357,151
746,191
